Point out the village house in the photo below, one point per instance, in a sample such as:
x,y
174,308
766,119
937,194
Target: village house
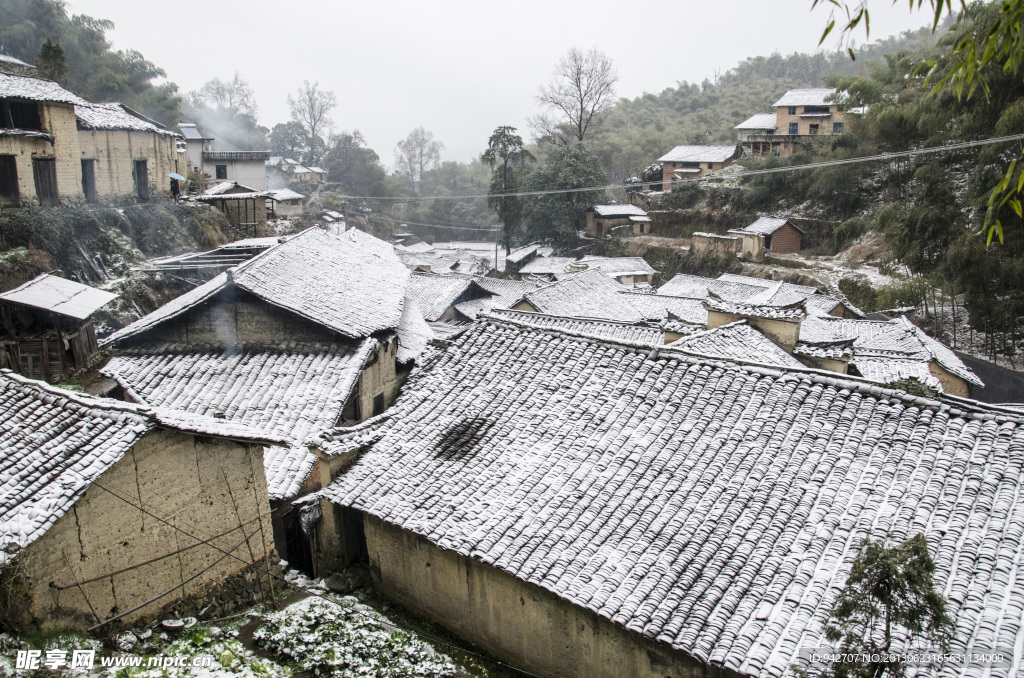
x,y
588,294
640,513
799,114
688,162
438,295
56,147
243,206
281,172
601,219
48,331
768,235
625,270
299,338
78,472
217,160
284,203
125,153
40,155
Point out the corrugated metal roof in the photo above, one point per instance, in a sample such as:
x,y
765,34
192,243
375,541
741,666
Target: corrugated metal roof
x,y
58,295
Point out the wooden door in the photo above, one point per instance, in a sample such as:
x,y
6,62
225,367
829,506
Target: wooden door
x,y
9,193
44,171
142,179
89,179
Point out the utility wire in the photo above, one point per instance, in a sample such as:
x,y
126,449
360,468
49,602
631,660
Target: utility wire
x,y
399,222
256,567
746,173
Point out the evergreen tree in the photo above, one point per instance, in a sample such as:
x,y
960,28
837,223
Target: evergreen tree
x,y
506,156
50,63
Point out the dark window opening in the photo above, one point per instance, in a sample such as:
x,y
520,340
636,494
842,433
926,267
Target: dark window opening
x,y
89,179
378,404
767,242
222,171
19,115
791,111
142,179
816,109
44,171
813,129
837,128
794,128
9,192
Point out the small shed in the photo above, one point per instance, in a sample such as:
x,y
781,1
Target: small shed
x,y
284,202
48,331
602,218
769,234
243,206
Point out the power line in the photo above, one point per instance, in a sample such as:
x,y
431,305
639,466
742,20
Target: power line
x,y
771,170
306,591
399,222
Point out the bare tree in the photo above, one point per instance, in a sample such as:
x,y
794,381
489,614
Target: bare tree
x,y
234,95
583,87
311,108
417,153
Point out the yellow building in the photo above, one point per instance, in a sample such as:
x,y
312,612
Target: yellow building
x,y
687,162
799,114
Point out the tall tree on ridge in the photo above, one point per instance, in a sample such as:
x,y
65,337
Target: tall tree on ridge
x,y
506,156
583,87
311,107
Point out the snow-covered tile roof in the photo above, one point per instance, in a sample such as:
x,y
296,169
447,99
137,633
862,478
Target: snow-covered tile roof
x,y
59,295
699,154
520,253
419,248
35,89
505,295
715,508
763,226
445,330
289,390
589,294
116,116
736,341
761,282
618,211
631,334
806,97
889,372
897,339
282,194
839,350
6,58
662,306
697,287
761,121
351,283
435,294
54,444
790,312
547,266
618,265
413,332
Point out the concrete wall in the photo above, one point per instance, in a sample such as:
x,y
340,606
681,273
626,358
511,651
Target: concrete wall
x,y
59,120
520,623
180,477
115,153
752,248
251,173
668,177
720,245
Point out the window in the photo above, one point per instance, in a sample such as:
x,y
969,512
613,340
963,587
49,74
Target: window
x,y
837,128
792,110
44,171
794,128
19,115
89,179
9,192
222,171
817,109
378,404
813,129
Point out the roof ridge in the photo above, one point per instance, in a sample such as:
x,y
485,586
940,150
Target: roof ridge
x,y
826,377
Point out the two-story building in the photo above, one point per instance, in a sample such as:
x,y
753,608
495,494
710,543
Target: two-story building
x,y
799,114
216,160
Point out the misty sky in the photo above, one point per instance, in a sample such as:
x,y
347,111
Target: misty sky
x,y
459,69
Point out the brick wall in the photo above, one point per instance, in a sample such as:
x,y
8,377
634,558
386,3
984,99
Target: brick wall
x,y
824,124
786,240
